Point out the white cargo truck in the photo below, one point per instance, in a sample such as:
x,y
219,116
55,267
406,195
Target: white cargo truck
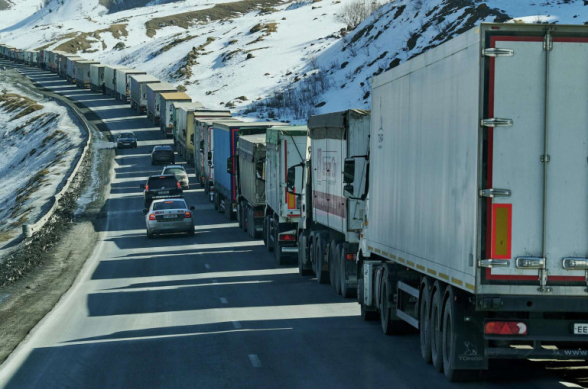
x,y
478,194
153,92
123,83
139,91
110,79
83,73
329,229
251,184
97,78
286,149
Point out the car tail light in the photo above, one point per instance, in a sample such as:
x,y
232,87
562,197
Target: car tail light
x,y
258,214
152,217
287,237
147,187
505,328
187,215
350,257
179,186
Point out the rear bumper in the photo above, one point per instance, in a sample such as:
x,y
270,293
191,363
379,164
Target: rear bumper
x,y
517,353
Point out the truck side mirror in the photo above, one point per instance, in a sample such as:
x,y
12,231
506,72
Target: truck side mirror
x,y
291,181
202,146
349,171
210,155
230,165
348,191
210,163
260,169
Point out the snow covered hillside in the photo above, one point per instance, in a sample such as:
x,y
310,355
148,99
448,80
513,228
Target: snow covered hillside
x,y
38,142
265,58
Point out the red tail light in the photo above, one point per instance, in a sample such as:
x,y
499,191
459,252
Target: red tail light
x,y
287,237
505,328
152,217
187,215
147,187
258,214
350,257
179,186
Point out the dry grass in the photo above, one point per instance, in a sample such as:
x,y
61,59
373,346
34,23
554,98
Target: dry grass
x,y
218,12
268,28
173,44
83,41
22,106
191,59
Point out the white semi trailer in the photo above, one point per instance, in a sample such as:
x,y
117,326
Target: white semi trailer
x,y
285,149
330,226
478,194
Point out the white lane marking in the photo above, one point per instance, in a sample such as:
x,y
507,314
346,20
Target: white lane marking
x,y
237,325
254,360
207,266
3,297
224,300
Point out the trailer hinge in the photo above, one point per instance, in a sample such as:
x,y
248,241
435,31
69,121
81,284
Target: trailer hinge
x,y
548,41
490,263
493,192
545,158
497,122
497,52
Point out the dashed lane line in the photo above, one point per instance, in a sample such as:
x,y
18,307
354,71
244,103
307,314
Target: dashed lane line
x,y
254,360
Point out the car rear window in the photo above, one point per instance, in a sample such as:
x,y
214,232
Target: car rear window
x,y
165,182
175,204
127,135
174,170
168,153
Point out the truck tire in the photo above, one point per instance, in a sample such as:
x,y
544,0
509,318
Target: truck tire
x,y
424,320
268,232
322,276
311,255
448,343
277,247
301,269
216,201
435,327
333,265
390,326
228,208
337,269
251,224
346,291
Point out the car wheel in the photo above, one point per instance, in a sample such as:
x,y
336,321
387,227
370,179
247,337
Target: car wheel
x,y
149,235
191,232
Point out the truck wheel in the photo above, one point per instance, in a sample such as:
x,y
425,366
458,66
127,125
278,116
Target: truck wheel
x,y
229,214
366,314
424,320
277,248
448,344
346,291
322,276
435,327
301,269
333,265
268,234
215,202
311,256
389,326
251,224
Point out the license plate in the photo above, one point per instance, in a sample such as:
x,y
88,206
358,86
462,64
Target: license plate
x,y
163,192
169,216
580,328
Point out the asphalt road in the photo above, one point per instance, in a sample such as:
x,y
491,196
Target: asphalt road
x,y
209,311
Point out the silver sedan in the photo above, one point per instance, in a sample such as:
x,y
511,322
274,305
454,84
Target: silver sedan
x,y
169,215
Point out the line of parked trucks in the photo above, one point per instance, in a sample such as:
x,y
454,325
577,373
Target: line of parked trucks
x,y
458,206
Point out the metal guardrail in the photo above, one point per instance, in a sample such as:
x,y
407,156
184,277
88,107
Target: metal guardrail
x,y
28,230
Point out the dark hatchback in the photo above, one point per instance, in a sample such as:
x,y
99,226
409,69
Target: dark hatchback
x,y
163,154
126,139
165,186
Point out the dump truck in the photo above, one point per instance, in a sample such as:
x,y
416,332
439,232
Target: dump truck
x,y
475,230
153,92
328,230
166,111
97,78
286,149
225,137
83,73
251,184
110,79
123,83
204,148
139,91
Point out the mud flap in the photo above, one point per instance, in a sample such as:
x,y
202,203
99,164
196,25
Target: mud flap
x,y
469,340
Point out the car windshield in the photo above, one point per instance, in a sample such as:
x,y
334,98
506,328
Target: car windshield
x,y
127,135
174,170
162,182
174,204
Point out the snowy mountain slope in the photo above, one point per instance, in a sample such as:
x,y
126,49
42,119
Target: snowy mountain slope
x,y
284,60
38,142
